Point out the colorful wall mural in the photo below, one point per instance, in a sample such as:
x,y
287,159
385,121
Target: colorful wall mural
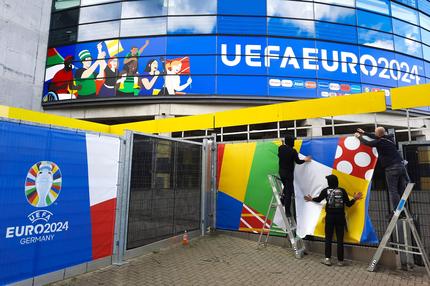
x,y
244,191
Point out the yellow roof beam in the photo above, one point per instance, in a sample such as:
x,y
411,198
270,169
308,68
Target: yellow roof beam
x,y
51,119
303,109
186,123
410,96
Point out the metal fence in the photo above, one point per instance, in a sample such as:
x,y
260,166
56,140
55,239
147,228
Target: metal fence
x,y
165,189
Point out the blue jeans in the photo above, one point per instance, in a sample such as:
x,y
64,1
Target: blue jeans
x,y
397,178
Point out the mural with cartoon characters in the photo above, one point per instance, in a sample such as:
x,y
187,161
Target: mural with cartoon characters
x,y
112,68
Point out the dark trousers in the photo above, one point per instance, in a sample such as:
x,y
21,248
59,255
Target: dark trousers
x,y
288,191
332,222
397,178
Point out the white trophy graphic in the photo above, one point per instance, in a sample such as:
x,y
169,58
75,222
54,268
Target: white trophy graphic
x,y
43,184
44,181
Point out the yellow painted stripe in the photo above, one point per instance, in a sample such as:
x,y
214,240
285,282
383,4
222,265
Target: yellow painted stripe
x,y
186,123
303,109
4,111
251,215
410,96
51,119
235,169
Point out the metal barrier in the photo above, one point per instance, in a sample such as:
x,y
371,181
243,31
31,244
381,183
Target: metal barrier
x,y
166,190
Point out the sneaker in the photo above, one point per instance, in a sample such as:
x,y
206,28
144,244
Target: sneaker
x,y
340,263
326,261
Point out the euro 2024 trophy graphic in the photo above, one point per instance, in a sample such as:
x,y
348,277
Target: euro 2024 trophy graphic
x,y
43,184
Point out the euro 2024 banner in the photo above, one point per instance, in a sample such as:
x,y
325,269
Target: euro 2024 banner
x,y
57,195
244,192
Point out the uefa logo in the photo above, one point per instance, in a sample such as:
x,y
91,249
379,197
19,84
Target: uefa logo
x,y
43,184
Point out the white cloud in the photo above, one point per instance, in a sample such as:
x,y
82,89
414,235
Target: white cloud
x,y
381,44
197,24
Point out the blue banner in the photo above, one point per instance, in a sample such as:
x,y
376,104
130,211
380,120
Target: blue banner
x,y
44,198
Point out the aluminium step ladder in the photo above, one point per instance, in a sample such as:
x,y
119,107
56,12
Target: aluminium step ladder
x,y
290,224
405,248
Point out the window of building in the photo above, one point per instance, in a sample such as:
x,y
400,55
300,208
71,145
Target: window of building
x,y
97,31
407,46
336,32
406,30
290,9
335,14
64,4
291,27
379,6
191,7
424,5
65,19
411,3
242,7
425,37
143,27
374,21
375,39
191,25
63,36
147,8
100,13
242,25
93,2
404,13
426,52
350,3
425,21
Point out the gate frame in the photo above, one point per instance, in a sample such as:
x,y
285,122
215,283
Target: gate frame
x,y
123,197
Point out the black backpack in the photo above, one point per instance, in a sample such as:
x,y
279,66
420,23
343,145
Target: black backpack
x,y
335,199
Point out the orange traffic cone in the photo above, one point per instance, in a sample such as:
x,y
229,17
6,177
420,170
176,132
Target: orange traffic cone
x,y
185,241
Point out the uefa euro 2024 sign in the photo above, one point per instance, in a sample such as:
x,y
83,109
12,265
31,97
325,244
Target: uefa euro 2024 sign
x,y
315,59
42,188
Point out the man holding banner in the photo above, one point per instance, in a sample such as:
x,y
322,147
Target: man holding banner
x,y
390,159
337,198
288,157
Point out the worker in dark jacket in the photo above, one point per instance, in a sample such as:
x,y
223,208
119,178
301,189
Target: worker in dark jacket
x,y
288,157
337,199
389,158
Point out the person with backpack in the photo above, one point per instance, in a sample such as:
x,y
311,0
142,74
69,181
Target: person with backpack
x,y
288,158
390,159
337,199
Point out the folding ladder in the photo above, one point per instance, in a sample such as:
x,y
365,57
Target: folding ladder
x,y
405,248
290,224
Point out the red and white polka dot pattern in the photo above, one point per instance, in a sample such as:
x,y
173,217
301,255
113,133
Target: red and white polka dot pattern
x,y
355,159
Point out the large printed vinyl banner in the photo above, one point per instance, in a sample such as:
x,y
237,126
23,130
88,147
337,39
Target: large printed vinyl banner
x,y
57,197
244,191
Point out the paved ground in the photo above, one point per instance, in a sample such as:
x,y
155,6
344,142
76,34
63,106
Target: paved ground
x,y
225,260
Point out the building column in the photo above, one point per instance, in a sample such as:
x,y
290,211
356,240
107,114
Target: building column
x,y
317,130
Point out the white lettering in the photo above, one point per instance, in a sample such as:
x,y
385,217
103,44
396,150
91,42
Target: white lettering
x,y
9,232
224,58
335,63
344,56
29,230
363,68
310,62
290,59
253,52
269,56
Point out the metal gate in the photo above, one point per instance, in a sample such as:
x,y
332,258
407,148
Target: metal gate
x,y
166,190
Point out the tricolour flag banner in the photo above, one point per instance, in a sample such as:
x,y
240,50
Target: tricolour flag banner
x,y
114,47
58,195
244,192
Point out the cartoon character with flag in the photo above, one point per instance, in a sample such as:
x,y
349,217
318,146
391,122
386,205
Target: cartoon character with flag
x,y
172,80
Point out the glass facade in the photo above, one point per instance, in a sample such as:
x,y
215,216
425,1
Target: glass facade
x,y
106,50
